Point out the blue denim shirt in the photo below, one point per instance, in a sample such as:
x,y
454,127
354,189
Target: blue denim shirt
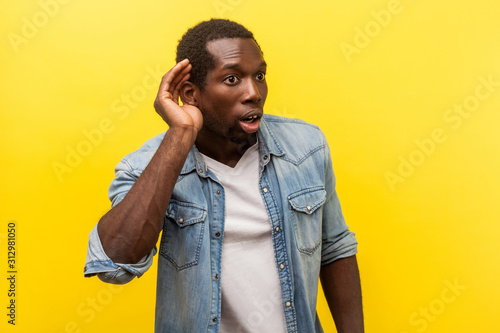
x,y
308,229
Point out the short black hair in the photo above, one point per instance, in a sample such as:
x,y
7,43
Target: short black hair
x,y
193,45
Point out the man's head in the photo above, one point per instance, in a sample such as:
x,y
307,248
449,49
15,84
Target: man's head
x,y
227,80
193,45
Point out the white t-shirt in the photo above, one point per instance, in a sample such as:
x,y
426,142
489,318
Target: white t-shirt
x,y
251,293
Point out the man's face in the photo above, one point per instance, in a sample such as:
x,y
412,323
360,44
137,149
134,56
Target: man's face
x,y
233,99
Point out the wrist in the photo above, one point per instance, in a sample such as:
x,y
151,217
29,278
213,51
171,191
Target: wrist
x,y
183,134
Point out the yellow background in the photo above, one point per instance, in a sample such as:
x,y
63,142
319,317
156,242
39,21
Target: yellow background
x,y
435,226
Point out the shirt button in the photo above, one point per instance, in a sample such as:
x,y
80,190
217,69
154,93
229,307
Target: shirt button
x,y
214,319
288,304
308,207
216,276
282,266
277,229
265,157
217,234
218,192
265,189
181,220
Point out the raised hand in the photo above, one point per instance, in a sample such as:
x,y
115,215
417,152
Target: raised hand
x,y
166,103
130,229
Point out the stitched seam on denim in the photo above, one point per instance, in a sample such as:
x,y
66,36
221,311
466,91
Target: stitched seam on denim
x,y
102,262
270,132
163,251
197,254
303,158
304,210
305,190
130,269
170,258
308,251
278,119
289,276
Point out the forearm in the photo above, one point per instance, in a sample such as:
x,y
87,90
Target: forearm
x,y
130,229
342,288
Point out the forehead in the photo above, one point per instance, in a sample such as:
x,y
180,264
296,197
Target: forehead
x,y
235,52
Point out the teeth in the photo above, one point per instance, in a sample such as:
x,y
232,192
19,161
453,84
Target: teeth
x,y
251,118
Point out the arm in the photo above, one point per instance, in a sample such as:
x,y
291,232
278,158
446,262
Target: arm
x,y
130,229
342,288
339,271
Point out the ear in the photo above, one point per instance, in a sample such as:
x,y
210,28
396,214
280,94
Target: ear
x,y
189,93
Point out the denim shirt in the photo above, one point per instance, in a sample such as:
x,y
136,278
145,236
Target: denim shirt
x,y
297,185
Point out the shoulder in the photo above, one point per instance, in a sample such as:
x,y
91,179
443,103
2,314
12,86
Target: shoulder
x,y
279,121
294,138
290,131
139,159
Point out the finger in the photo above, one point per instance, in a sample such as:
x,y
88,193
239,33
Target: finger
x,y
178,88
184,79
179,78
166,80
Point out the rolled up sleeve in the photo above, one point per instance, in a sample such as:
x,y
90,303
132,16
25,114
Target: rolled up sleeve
x,y
337,240
98,263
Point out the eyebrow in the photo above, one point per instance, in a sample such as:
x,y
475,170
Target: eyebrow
x,y
235,65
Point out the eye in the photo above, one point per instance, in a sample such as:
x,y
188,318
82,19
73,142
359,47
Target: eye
x,y
261,76
231,79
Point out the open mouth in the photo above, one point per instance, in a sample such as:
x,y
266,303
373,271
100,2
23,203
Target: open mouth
x,y
250,119
250,122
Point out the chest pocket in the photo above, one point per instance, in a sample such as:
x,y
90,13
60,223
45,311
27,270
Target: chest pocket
x,y
183,233
307,218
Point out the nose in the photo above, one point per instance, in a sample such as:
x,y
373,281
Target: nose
x,y
251,93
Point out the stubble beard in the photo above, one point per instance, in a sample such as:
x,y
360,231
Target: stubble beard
x,y
216,126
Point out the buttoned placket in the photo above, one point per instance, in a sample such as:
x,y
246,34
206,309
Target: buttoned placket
x,y
217,202
280,250
216,237
278,237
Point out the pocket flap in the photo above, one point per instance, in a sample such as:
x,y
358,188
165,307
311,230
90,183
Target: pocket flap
x,y
308,200
186,213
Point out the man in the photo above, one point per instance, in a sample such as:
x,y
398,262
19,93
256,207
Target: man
x,y
246,203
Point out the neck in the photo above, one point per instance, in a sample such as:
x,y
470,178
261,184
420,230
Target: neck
x,y
222,149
